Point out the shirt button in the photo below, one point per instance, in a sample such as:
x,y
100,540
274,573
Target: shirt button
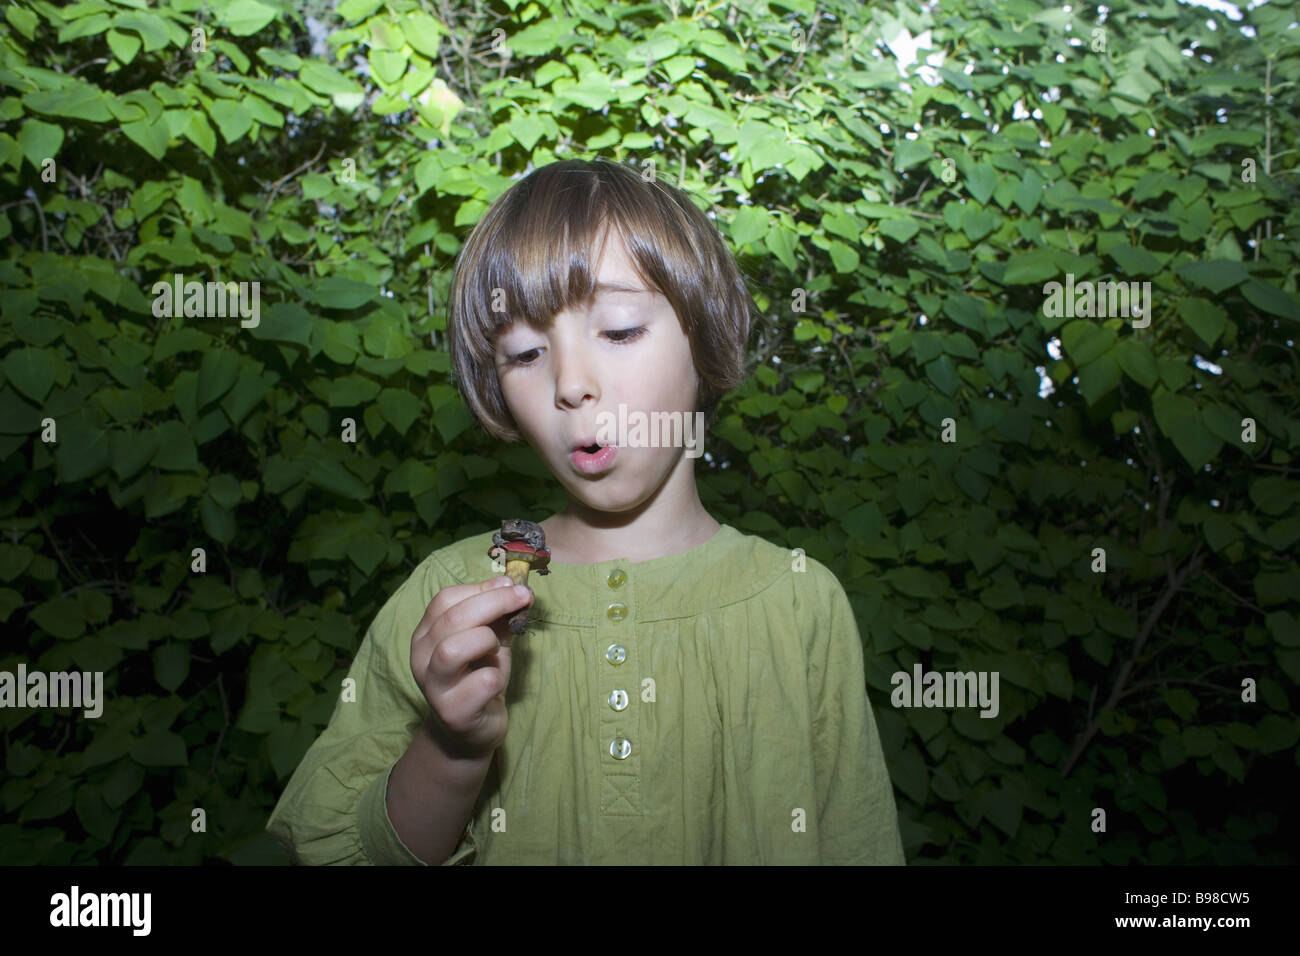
x,y
616,612
618,699
617,578
620,748
616,654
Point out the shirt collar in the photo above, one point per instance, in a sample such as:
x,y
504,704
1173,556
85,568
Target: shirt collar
x,y
727,568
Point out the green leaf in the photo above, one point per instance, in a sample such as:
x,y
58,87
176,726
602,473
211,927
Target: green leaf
x,y
284,322
1216,275
160,748
246,17
124,46
981,180
1004,808
1283,628
424,33
62,617
31,371
749,224
1204,318
132,450
1137,361
39,140
217,373
331,476
844,257
900,230
327,81
1133,261
1030,192
151,137
176,451
388,66
1030,268
1271,299
200,133
50,801
1084,340
217,520
977,223
1178,420
287,743
367,550
943,373
351,390
83,451
81,101
24,21
1200,741
1098,378
338,292
233,118
781,243
910,152
400,408
99,819
171,664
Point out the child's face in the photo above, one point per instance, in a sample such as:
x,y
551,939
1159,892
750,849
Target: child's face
x,y
590,361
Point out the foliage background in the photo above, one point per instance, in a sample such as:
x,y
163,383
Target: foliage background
x,y
825,169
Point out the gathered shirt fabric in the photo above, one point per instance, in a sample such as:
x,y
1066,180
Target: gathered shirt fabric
x,y
702,708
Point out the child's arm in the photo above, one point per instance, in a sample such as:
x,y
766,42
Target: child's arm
x,y
427,776
857,814
335,808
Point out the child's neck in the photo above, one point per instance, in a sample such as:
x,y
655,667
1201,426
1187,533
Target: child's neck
x,y
572,539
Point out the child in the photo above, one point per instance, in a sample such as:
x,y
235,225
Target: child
x,y
684,693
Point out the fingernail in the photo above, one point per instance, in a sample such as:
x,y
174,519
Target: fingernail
x,y
502,582
522,591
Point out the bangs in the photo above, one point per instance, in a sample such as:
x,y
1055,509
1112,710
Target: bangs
x,y
540,251
536,252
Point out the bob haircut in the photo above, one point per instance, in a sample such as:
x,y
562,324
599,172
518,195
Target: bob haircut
x,y
532,255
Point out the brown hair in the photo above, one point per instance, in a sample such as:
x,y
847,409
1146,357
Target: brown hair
x,y
533,250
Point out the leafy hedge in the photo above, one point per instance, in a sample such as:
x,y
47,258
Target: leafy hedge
x,y
899,221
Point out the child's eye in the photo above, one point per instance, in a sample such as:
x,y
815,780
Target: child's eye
x,y
520,358
631,334
618,337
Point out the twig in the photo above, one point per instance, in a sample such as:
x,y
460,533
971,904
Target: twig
x,y
1176,582
1235,596
75,575
225,715
279,183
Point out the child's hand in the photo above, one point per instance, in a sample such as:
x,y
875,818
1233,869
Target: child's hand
x,y
460,657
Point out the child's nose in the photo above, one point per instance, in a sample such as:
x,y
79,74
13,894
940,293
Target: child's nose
x,y
576,377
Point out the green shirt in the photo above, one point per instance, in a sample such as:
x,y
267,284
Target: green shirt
x,y
707,707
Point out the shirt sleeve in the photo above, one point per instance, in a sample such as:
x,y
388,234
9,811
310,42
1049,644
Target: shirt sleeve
x,y
334,809
857,819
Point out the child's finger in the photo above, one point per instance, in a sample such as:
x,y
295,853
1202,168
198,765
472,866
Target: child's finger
x,y
451,596
481,609
461,705
450,657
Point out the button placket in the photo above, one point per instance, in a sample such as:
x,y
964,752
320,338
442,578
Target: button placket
x,y
616,633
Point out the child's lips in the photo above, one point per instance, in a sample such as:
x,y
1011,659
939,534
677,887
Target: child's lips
x,y
591,463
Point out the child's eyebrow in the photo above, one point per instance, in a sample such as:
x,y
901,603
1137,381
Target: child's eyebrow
x,y
615,288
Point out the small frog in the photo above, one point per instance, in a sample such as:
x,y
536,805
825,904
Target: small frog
x,y
520,529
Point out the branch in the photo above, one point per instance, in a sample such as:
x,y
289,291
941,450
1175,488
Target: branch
x,y
1176,581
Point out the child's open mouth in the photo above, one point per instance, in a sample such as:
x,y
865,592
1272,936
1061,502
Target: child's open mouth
x,y
594,458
